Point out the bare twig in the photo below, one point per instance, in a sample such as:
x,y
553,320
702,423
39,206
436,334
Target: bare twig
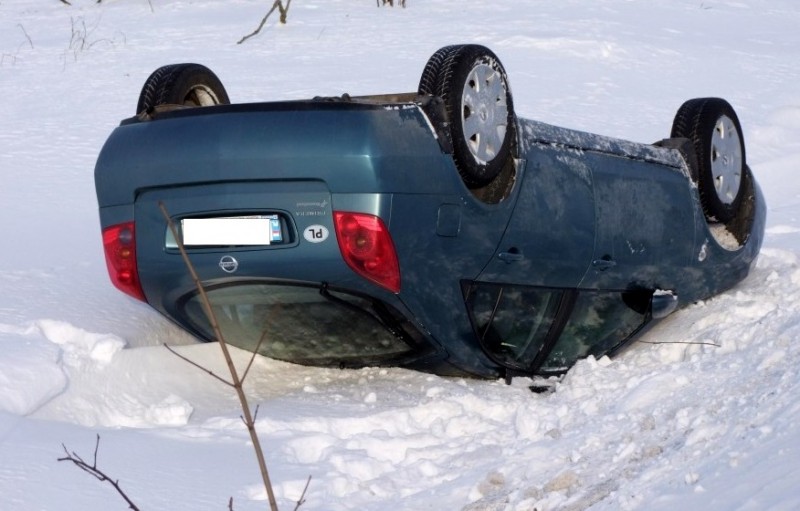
x,y
26,34
210,372
237,382
253,356
81,37
96,472
699,343
284,11
302,499
261,340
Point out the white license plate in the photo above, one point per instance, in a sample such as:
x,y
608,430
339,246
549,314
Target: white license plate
x,y
228,231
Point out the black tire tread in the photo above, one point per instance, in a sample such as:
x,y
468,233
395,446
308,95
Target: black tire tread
x,y
430,74
693,121
152,87
169,85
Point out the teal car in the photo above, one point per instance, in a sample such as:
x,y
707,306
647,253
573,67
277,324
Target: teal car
x,y
434,230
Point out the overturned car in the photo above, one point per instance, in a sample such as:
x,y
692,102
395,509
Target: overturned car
x,y
434,230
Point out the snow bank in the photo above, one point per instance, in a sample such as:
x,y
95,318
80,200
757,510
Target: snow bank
x,y
30,371
703,413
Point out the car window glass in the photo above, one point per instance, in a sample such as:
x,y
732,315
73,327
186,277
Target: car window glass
x,y
299,324
512,322
600,321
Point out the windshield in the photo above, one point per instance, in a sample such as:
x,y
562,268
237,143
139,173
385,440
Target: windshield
x,y
304,325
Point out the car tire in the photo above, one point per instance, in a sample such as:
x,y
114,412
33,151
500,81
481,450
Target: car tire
x,y
430,75
473,85
182,84
713,128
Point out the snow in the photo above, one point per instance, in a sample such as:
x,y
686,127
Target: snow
x,y
703,413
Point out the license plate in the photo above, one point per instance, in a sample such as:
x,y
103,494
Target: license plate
x,y
226,231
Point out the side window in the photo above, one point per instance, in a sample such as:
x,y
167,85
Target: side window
x,y
545,331
600,321
512,322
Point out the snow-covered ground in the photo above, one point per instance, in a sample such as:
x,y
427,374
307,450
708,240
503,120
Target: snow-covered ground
x,y
704,413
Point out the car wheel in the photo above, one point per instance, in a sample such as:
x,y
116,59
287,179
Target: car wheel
x,y
474,88
182,84
713,128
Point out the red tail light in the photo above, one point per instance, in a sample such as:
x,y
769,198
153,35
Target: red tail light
x,y
367,248
119,242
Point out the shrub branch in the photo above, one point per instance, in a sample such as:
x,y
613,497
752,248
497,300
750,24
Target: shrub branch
x,y
236,381
283,11
96,472
208,371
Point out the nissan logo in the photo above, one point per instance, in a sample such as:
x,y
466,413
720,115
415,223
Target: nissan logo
x,y
229,264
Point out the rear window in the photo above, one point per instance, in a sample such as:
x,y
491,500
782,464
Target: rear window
x,y
306,325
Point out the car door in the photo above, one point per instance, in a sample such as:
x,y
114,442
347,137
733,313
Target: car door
x,y
644,224
549,240
545,301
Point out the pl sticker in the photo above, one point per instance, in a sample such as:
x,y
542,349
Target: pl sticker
x,y
316,233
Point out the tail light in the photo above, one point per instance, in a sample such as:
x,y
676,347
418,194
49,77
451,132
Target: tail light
x,y
367,248
119,243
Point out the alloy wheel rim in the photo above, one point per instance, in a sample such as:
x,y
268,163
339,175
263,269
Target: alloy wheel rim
x,y
484,112
726,160
201,95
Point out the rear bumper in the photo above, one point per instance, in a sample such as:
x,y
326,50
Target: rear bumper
x,y
353,147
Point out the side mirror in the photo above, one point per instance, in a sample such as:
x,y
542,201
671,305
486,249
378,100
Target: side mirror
x,y
663,304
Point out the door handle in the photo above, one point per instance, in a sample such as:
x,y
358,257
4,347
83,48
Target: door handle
x,y
603,264
513,254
